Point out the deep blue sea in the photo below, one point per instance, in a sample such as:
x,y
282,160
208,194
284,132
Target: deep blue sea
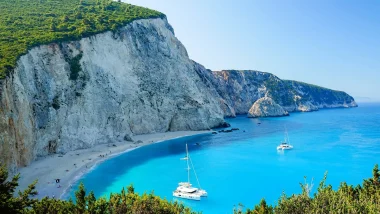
x,y
244,166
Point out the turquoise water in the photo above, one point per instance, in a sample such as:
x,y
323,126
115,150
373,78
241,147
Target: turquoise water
x,y
244,166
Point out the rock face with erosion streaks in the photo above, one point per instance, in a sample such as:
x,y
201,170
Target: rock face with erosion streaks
x,y
266,107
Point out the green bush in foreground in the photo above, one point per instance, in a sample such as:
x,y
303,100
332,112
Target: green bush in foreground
x,y
346,199
28,23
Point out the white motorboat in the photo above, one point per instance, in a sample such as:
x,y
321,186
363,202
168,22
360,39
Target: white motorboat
x,y
185,189
285,144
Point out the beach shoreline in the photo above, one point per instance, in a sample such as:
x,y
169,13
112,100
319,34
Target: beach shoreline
x,y
70,167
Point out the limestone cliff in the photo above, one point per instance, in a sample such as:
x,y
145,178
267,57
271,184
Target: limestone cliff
x,y
110,86
72,95
266,107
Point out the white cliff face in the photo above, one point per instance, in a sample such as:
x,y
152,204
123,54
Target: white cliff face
x,y
73,95
266,107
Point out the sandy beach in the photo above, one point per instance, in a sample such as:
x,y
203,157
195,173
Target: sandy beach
x,y
72,165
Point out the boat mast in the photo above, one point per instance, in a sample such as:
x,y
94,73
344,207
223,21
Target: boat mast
x,y
286,137
195,173
188,167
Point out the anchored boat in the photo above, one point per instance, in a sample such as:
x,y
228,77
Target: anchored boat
x,y
185,189
285,144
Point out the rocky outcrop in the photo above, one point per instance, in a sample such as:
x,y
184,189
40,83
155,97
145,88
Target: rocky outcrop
x,y
266,107
111,86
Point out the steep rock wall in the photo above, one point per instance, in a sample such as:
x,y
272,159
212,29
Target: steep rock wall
x,y
72,95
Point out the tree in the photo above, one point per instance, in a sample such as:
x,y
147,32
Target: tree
x,y
376,176
262,208
131,189
9,203
91,201
80,196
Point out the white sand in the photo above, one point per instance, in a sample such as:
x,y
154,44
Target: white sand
x,y
72,165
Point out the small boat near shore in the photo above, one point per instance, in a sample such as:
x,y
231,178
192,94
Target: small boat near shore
x,y
185,189
285,144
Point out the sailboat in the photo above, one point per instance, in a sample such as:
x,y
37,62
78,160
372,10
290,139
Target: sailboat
x,y
185,189
285,144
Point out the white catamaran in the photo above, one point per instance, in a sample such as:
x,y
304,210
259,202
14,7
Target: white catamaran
x,y
185,189
285,144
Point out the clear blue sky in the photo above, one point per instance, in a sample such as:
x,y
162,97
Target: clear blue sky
x,y
331,43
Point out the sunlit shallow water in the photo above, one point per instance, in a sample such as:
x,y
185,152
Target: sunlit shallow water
x,y
244,166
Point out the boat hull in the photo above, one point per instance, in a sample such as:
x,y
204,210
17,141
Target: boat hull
x,y
187,196
284,148
202,193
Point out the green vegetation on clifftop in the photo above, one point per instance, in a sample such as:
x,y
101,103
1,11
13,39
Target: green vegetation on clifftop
x,y
28,23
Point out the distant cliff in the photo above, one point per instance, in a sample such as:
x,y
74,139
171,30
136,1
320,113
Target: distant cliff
x,y
238,90
104,88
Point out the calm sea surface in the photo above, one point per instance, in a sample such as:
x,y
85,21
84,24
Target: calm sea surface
x,y
244,166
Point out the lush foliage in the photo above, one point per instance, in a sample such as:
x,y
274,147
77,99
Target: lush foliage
x,y
28,23
124,202
346,199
